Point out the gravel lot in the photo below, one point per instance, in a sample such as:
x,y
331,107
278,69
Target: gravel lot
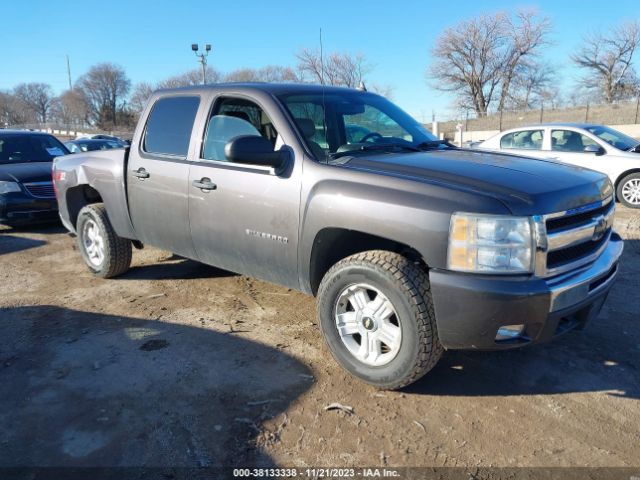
x,y
180,364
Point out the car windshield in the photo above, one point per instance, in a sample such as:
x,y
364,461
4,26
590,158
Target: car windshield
x,y
613,137
23,148
336,124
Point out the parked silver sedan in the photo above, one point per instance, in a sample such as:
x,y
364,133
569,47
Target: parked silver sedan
x,y
596,147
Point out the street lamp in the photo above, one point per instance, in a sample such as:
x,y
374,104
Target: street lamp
x,y
202,58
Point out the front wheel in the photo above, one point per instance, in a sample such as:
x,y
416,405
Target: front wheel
x,y
105,253
376,315
628,192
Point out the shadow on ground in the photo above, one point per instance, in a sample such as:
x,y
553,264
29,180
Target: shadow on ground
x,y
175,268
11,241
46,228
80,389
11,244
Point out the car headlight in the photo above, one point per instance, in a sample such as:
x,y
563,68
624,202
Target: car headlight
x,y
8,187
493,244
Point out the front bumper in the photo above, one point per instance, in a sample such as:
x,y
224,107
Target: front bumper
x,y
470,308
21,209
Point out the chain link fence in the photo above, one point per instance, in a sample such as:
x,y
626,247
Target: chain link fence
x,y
615,114
69,131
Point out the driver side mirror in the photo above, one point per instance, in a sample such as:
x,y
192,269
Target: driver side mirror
x,y
597,149
254,150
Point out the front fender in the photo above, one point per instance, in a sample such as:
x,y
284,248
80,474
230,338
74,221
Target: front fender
x,y
411,213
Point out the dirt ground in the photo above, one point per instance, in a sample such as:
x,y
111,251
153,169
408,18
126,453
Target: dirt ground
x,y
180,364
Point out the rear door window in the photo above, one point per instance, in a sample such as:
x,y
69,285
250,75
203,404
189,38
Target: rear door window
x,y
170,124
523,140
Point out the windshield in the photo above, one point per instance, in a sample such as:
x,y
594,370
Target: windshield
x,y
613,137
23,148
339,123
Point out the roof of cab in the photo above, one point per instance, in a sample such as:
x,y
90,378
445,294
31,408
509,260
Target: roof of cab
x,y
272,88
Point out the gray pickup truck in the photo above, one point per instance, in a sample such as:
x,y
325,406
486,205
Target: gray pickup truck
x,y
411,245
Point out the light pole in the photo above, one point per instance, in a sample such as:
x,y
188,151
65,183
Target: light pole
x,y
202,58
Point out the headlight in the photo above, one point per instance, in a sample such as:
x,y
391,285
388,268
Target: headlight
x,y
8,187
490,244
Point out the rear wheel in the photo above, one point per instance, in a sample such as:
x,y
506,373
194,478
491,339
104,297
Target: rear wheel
x,y
376,315
105,253
628,191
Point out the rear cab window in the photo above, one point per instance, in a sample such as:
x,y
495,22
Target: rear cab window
x,y
169,126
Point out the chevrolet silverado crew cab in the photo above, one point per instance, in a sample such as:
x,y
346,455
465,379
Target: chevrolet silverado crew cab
x,y
412,246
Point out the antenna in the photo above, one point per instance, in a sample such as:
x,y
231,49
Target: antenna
x,y
69,72
321,60
324,106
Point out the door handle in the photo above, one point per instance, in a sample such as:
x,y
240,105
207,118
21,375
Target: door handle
x,y
141,173
204,184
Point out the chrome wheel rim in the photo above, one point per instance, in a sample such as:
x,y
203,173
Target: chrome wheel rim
x,y
368,324
93,243
631,191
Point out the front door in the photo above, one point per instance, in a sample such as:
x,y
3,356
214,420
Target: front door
x,y
568,146
158,174
244,218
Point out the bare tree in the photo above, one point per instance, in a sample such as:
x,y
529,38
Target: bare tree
x,y
478,59
105,86
343,69
384,90
13,111
71,109
607,58
270,73
141,94
37,97
192,77
524,37
532,84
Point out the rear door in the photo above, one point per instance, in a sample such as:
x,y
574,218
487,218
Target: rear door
x,y
158,174
527,142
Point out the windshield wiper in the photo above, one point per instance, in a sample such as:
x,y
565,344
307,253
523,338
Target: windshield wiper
x,y
434,144
375,147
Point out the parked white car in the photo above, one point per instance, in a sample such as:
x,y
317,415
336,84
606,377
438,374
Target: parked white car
x,y
590,146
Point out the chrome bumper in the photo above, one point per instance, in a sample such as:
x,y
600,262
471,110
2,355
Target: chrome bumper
x,y
576,287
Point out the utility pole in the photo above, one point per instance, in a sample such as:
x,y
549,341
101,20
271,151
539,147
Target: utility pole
x,y
202,58
69,71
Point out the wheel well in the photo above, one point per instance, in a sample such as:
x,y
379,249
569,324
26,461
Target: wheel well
x,y
623,175
79,197
333,244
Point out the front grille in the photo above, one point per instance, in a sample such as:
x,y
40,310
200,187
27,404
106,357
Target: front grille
x,y
563,256
574,238
572,221
40,189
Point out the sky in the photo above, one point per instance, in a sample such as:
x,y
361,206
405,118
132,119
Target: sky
x,y
152,39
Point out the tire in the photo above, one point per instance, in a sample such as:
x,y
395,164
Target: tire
x,y
105,253
413,349
628,191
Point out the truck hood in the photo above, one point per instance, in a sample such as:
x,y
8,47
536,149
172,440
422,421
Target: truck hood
x,y
525,185
25,172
